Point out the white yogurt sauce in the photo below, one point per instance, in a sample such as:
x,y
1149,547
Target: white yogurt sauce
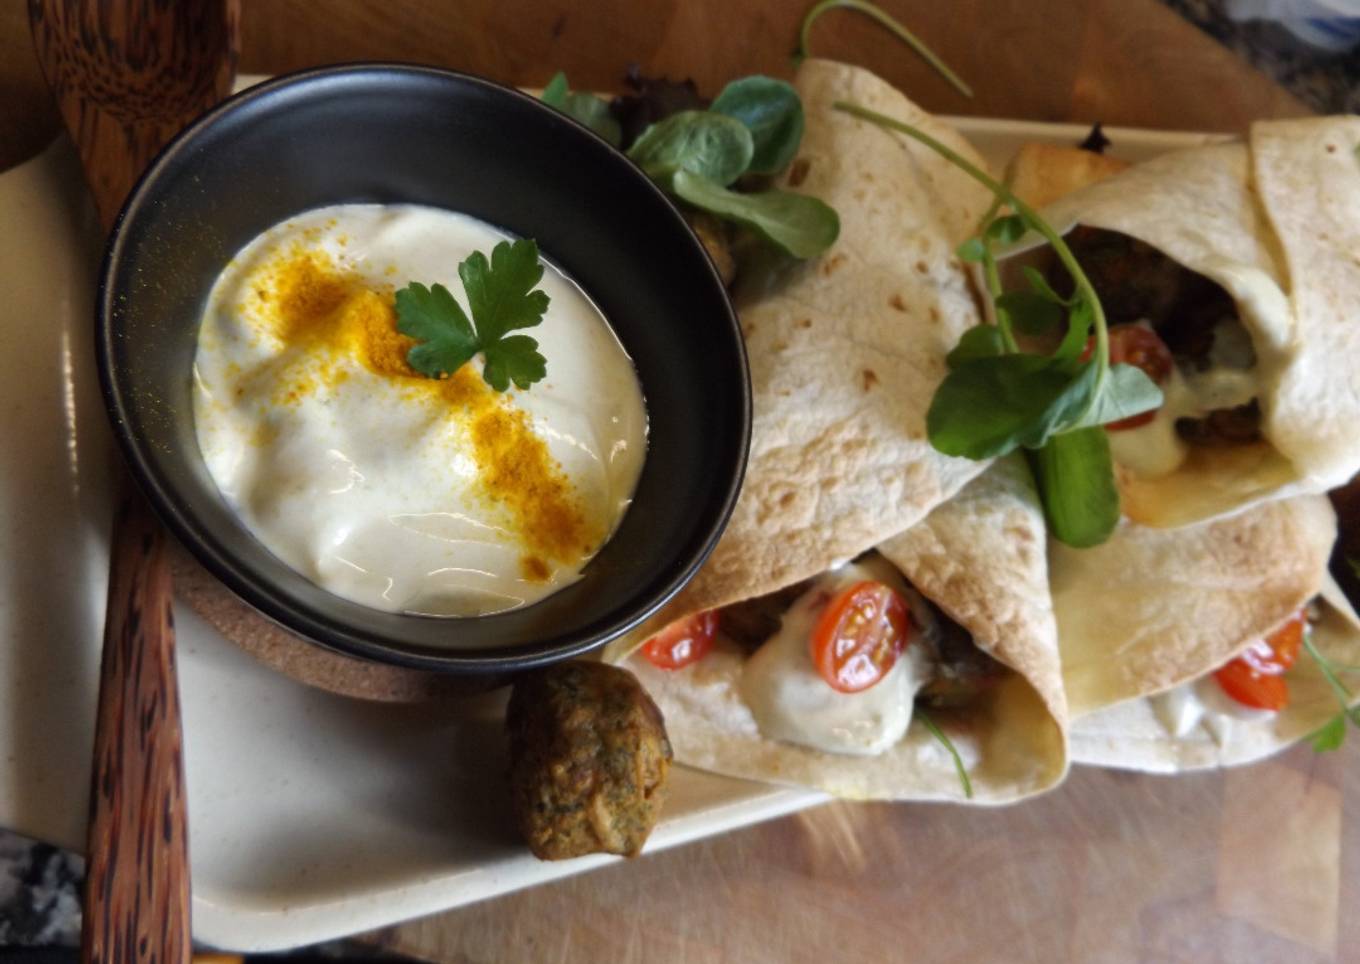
x,y
1202,703
792,702
376,486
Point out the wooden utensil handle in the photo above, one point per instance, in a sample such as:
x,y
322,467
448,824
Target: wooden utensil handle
x,y
128,74
137,880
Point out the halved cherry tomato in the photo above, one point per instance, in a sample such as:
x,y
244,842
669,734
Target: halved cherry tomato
x,y
1142,348
859,636
1256,678
683,642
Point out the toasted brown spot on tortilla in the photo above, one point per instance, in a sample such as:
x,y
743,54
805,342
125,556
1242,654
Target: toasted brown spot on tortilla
x,y
934,313
804,323
780,345
870,379
786,500
1019,534
832,263
896,302
1331,148
799,171
922,267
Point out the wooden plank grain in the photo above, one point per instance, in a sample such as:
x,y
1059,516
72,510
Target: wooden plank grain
x,y
28,115
1122,61
1109,867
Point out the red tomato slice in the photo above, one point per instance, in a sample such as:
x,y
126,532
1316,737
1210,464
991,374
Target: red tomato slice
x,y
859,636
683,642
1256,678
1142,348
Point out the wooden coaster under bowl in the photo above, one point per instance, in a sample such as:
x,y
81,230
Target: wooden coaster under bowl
x,y
304,661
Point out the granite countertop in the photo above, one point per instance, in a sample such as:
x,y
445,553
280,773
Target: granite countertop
x,y
39,884
1328,82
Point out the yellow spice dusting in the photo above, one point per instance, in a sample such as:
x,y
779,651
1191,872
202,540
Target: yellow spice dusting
x,y
312,303
519,472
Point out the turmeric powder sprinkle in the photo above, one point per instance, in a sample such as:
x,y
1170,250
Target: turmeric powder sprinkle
x,y
327,312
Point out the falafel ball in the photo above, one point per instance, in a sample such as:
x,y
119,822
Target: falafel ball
x,y
589,759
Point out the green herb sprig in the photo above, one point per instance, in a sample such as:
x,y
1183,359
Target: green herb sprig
x,y
754,127
502,298
881,16
1333,734
585,108
997,398
952,750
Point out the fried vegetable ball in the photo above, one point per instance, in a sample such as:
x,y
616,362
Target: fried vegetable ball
x,y
589,759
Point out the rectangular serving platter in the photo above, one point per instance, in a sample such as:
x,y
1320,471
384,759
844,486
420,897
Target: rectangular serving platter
x,y
312,816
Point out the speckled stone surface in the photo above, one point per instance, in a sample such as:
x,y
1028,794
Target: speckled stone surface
x,y
39,894
40,885
1329,82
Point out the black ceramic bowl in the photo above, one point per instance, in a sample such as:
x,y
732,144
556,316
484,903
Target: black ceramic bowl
x,y
382,133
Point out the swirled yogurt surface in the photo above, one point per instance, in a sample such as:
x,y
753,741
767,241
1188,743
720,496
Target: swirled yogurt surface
x,y
401,492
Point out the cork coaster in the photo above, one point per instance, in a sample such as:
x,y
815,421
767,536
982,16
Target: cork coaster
x,y
302,660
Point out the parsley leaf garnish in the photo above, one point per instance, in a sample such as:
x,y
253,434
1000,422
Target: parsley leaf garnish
x,y
502,298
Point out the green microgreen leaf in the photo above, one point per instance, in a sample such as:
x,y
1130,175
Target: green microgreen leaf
x,y
892,25
1078,333
1007,229
1041,286
952,750
1128,391
502,298
988,407
584,108
1331,735
713,146
973,250
1339,689
555,94
772,112
801,225
1355,566
1031,313
1075,475
980,341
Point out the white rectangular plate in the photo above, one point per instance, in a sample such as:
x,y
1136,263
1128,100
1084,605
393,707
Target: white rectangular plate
x,y
311,816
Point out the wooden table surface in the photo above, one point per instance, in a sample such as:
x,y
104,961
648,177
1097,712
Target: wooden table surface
x,y
1254,864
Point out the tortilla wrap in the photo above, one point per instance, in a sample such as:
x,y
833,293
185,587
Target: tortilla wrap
x,y
1132,735
1152,608
1273,222
847,350
981,558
